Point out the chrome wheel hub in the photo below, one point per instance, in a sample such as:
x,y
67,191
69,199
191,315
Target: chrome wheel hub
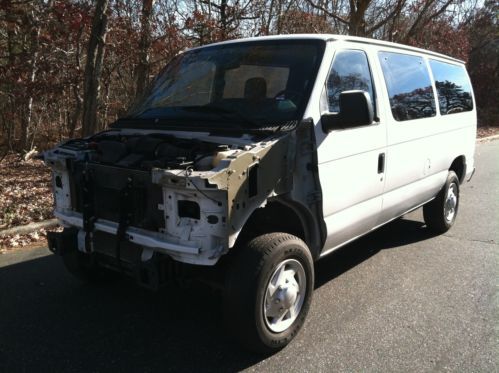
x,y
450,203
284,295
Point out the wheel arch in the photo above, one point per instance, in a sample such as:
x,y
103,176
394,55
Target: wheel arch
x,y
282,215
458,165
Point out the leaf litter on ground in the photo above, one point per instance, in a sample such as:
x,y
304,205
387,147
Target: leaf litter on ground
x,y
25,197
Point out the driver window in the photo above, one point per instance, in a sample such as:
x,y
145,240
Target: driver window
x,y
350,71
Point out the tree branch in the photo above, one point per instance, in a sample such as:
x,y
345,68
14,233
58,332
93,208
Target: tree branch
x,y
330,14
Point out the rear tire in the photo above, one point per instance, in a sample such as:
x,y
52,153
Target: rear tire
x,y
440,213
268,291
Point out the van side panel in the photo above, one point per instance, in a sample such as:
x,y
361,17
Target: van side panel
x,y
420,153
411,160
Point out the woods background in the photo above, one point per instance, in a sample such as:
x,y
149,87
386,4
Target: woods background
x,y
70,68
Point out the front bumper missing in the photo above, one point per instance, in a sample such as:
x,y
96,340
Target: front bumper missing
x,y
183,252
62,242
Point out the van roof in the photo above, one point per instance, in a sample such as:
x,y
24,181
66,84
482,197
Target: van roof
x,y
334,37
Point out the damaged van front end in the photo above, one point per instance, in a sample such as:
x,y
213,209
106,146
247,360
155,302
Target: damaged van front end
x,y
113,187
218,155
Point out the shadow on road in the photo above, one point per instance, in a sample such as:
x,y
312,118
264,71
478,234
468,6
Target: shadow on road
x,y
399,233
51,322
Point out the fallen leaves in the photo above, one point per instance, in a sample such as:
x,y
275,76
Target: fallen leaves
x,y
487,131
23,240
25,197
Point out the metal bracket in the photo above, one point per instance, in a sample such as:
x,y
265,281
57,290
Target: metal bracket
x,y
88,209
125,216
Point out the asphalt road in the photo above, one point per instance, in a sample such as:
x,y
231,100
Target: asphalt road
x,y
399,299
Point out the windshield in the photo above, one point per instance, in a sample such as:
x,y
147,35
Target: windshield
x,y
248,85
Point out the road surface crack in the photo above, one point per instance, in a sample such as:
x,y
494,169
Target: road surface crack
x,y
490,242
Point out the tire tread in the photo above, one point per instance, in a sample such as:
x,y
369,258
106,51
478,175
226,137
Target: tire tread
x,y
433,210
241,281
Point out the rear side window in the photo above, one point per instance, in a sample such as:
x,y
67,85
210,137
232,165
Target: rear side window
x,y
453,87
409,86
350,71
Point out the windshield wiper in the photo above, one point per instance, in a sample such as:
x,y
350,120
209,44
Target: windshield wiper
x,y
222,112
238,121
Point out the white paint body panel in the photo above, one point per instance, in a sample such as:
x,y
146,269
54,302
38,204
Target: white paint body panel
x,y
418,154
348,169
357,197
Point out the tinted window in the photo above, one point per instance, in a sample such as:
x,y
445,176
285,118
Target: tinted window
x,y
238,85
350,71
409,86
453,87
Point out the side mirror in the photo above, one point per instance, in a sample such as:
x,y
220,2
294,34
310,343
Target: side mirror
x,y
356,109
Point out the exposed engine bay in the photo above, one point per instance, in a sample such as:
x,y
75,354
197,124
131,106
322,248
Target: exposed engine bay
x,y
165,192
145,152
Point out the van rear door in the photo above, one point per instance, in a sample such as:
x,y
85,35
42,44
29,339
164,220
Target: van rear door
x,y
412,123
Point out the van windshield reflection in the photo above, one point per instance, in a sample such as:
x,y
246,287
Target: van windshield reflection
x,y
250,84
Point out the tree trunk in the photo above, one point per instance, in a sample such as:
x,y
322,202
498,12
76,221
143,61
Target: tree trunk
x,y
223,20
27,111
143,66
357,23
93,68
75,86
73,120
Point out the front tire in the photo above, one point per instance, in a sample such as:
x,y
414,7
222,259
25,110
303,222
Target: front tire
x,y
440,213
268,291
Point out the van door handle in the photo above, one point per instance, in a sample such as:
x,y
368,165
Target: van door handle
x,y
381,163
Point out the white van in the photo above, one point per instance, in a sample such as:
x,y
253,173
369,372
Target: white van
x,y
257,157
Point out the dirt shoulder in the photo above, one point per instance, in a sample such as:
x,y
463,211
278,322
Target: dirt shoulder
x,y
487,132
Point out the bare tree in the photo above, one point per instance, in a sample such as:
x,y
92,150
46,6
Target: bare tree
x,y
359,17
93,67
143,67
430,10
33,49
75,116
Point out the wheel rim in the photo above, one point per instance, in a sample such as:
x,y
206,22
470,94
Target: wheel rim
x,y
284,295
450,205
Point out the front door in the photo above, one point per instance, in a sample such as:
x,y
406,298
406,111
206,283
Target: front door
x,y
351,161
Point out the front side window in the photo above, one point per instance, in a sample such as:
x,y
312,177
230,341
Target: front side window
x,y
453,87
409,86
350,71
239,85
